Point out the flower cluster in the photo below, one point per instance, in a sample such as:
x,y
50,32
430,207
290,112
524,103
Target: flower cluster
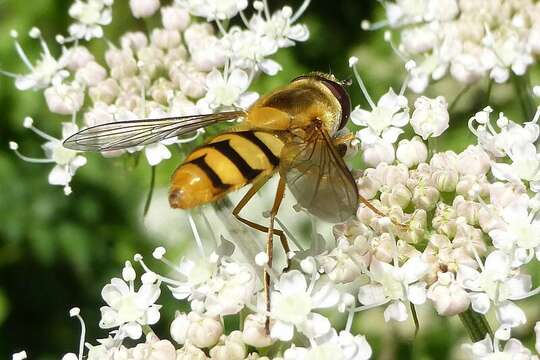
x,y
191,64
468,39
457,231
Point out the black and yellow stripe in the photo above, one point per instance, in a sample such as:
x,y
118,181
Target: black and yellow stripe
x,y
226,163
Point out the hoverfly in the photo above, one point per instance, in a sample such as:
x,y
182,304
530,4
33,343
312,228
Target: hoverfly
x,y
291,130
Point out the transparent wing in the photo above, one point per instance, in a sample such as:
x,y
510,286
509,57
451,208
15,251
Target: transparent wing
x,y
318,177
125,134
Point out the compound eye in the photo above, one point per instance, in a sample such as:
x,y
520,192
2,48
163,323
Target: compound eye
x,y
344,100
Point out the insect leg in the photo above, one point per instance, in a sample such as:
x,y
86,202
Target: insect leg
x,y
380,213
269,230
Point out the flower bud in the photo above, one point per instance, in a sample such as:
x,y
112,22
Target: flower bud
x,y
448,296
392,174
105,91
165,39
143,8
445,180
418,39
474,161
91,74
191,82
377,153
190,352
254,332
430,117
399,195
230,348
368,185
64,99
179,328
204,331
425,197
175,18
467,209
384,247
412,152
416,227
134,40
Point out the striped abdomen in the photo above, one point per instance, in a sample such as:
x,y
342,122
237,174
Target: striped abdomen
x,y
226,163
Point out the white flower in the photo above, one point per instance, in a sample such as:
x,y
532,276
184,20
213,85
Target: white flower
x,y
21,355
203,331
378,152
448,296
488,349
230,347
411,152
254,331
279,27
521,228
332,346
66,161
430,117
64,98
292,305
179,328
395,284
91,15
175,18
143,8
128,309
43,72
226,90
384,120
153,349
496,283
215,9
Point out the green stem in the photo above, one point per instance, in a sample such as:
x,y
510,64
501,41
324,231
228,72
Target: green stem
x,y
523,95
476,324
151,190
458,97
415,319
488,92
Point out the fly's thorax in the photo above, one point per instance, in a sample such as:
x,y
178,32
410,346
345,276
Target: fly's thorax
x,y
298,105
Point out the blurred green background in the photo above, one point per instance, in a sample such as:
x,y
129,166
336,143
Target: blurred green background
x,y
57,252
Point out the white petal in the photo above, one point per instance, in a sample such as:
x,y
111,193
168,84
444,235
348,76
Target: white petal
x,y
480,302
416,293
414,269
396,311
315,325
214,79
389,100
519,286
282,331
400,119
326,296
391,134
360,116
291,283
152,315
133,330
371,294
155,153
270,67
510,314
239,78
59,176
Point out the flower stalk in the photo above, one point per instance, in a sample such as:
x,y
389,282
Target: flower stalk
x,y
476,324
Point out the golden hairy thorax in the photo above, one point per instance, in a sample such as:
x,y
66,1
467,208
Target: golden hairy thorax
x,y
295,106
251,151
